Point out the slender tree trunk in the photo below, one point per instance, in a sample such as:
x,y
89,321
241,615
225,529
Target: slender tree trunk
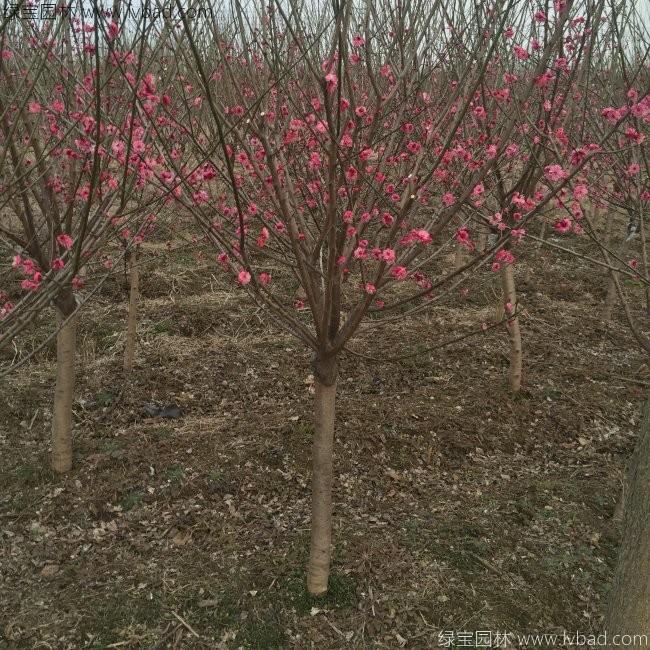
x,y
132,319
512,325
459,260
628,609
610,299
321,504
542,235
64,391
482,239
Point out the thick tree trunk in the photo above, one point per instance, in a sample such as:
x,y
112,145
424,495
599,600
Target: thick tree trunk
x,y
64,391
132,319
628,609
325,372
512,325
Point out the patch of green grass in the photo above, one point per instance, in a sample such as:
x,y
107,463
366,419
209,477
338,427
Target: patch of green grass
x,y
219,479
110,445
458,543
162,327
210,612
105,398
131,499
341,594
264,632
412,534
16,503
164,431
28,475
300,429
175,473
104,333
109,620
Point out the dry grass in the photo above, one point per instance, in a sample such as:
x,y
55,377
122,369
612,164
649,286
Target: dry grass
x,y
456,506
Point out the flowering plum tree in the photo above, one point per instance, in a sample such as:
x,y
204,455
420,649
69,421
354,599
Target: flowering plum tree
x,y
620,184
77,167
347,147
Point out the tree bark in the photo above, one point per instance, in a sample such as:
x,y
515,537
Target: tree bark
x,y
628,610
325,372
512,325
610,299
459,259
482,239
132,319
61,460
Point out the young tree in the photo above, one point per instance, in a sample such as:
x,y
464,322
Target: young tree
x,y
354,149
76,168
620,183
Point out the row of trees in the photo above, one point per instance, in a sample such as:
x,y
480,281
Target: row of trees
x,y
345,147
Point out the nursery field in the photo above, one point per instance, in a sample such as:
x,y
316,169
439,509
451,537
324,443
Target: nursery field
x,y
324,324
457,506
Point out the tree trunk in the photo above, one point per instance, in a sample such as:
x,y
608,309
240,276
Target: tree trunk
x,y
542,235
459,260
325,372
64,391
610,299
628,609
512,325
482,239
132,319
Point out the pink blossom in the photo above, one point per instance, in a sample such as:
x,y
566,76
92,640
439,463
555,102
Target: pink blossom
x,y
65,241
521,53
113,30
57,264
580,192
264,278
399,272
370,288
243,277
388,255
562,225
423,236
555,173
463,238
351,174
331,82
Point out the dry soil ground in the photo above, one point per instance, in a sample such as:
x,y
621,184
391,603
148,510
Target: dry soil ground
x,y
457,506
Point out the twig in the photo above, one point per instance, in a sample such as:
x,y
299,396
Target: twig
x,y
187,625
630,380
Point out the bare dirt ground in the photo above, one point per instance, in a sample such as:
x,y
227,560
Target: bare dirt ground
x,y
457,506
